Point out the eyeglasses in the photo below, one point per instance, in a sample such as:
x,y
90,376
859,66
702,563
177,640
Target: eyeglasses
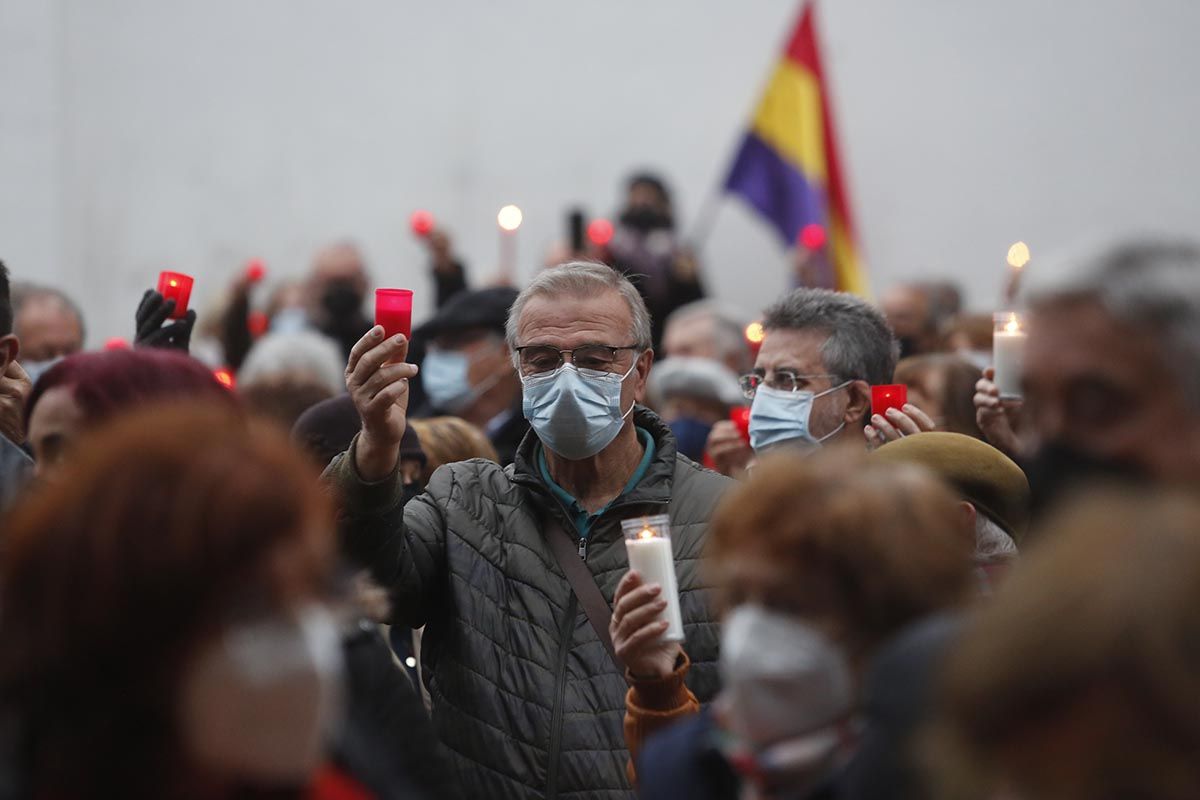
x,y
539,358
783,380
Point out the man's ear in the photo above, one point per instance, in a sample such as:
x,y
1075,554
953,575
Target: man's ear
x,y
859,403
967,514
642,372
10,348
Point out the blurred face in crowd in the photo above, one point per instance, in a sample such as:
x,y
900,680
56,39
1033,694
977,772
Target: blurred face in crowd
x,y
696,336
790,357
566,322
47,329
338,283
57,422
907,311
463,367
1106,390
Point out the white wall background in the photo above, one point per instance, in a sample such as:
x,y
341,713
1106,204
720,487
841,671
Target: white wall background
x,y
140,134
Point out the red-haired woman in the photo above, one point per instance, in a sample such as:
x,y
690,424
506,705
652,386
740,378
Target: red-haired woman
x,y
83,390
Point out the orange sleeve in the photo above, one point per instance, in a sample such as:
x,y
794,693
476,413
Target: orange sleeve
x,y
655,704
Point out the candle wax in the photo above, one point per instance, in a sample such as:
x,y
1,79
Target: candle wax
x,y
1008,355
653,559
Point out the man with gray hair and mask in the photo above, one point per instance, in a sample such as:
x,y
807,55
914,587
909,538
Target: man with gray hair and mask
x,y
1111,373
811,384
527,694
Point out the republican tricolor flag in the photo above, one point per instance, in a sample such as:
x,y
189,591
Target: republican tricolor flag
x,y
787,167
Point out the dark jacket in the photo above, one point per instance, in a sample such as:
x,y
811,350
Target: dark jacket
x,y
524,695
387,741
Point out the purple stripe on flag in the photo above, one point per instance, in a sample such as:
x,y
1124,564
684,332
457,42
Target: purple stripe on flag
x,y
776,189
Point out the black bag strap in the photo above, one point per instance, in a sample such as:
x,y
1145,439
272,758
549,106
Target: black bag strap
x,y
583,583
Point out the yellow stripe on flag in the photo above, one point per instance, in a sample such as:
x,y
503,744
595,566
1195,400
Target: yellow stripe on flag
x,y
789,119
850,273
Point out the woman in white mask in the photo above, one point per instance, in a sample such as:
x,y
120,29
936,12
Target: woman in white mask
x,y
166,632
816,563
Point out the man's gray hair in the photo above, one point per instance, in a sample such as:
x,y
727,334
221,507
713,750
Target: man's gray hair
x,y
583,279
1148,283
295,354
729,327
860,346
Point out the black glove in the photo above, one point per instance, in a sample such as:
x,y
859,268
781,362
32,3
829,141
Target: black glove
x,y
151,313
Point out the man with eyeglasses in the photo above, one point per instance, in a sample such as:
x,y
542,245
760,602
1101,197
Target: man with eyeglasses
x,y
525,695
811,383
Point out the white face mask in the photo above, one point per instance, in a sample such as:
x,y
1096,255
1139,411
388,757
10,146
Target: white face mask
x,y
782,679
261,702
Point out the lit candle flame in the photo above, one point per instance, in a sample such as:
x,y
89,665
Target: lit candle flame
x,y
173,283
509,218
1013,325
1018,255
646,533
754,333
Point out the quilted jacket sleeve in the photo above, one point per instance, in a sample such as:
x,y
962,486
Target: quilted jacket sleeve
x,y
402,544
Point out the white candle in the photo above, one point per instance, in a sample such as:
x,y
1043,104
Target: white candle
x,y
651,556
1008,354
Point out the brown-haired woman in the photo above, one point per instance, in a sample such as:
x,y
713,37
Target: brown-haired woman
x,y
161,608
816,562
1081,679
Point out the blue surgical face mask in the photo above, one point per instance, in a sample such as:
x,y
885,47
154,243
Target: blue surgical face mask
x,y
445,374
575,412
289,320
777,416
35,369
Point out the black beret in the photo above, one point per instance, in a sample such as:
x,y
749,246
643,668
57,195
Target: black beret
x,y
470,308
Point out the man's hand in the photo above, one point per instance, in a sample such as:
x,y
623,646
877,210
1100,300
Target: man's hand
x,y
151,313
998,419
900,422
15,387
377,380
728,450
637,632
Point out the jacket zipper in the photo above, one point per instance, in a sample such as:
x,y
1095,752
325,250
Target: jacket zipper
x,y
556,720
583,540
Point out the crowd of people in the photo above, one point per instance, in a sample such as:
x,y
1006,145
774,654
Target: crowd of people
x,y
378,565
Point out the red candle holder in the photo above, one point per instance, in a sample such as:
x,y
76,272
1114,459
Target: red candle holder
x,y
393,310
256,270
421,222
178,287
891,395
740,417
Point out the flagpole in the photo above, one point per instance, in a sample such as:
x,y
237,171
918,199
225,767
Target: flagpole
x,y
705,220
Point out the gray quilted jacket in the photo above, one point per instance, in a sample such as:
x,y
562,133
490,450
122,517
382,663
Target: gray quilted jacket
x,y
525,698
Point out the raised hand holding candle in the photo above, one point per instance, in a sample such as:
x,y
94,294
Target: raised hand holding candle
x,y
178,287
1008,353
648,544
393,310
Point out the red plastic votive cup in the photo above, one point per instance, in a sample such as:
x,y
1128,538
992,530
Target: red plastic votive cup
x,y
740,417
393,310
422,223
891,395
178,287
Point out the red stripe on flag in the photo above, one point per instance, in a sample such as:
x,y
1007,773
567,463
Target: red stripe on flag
x,y
804,50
